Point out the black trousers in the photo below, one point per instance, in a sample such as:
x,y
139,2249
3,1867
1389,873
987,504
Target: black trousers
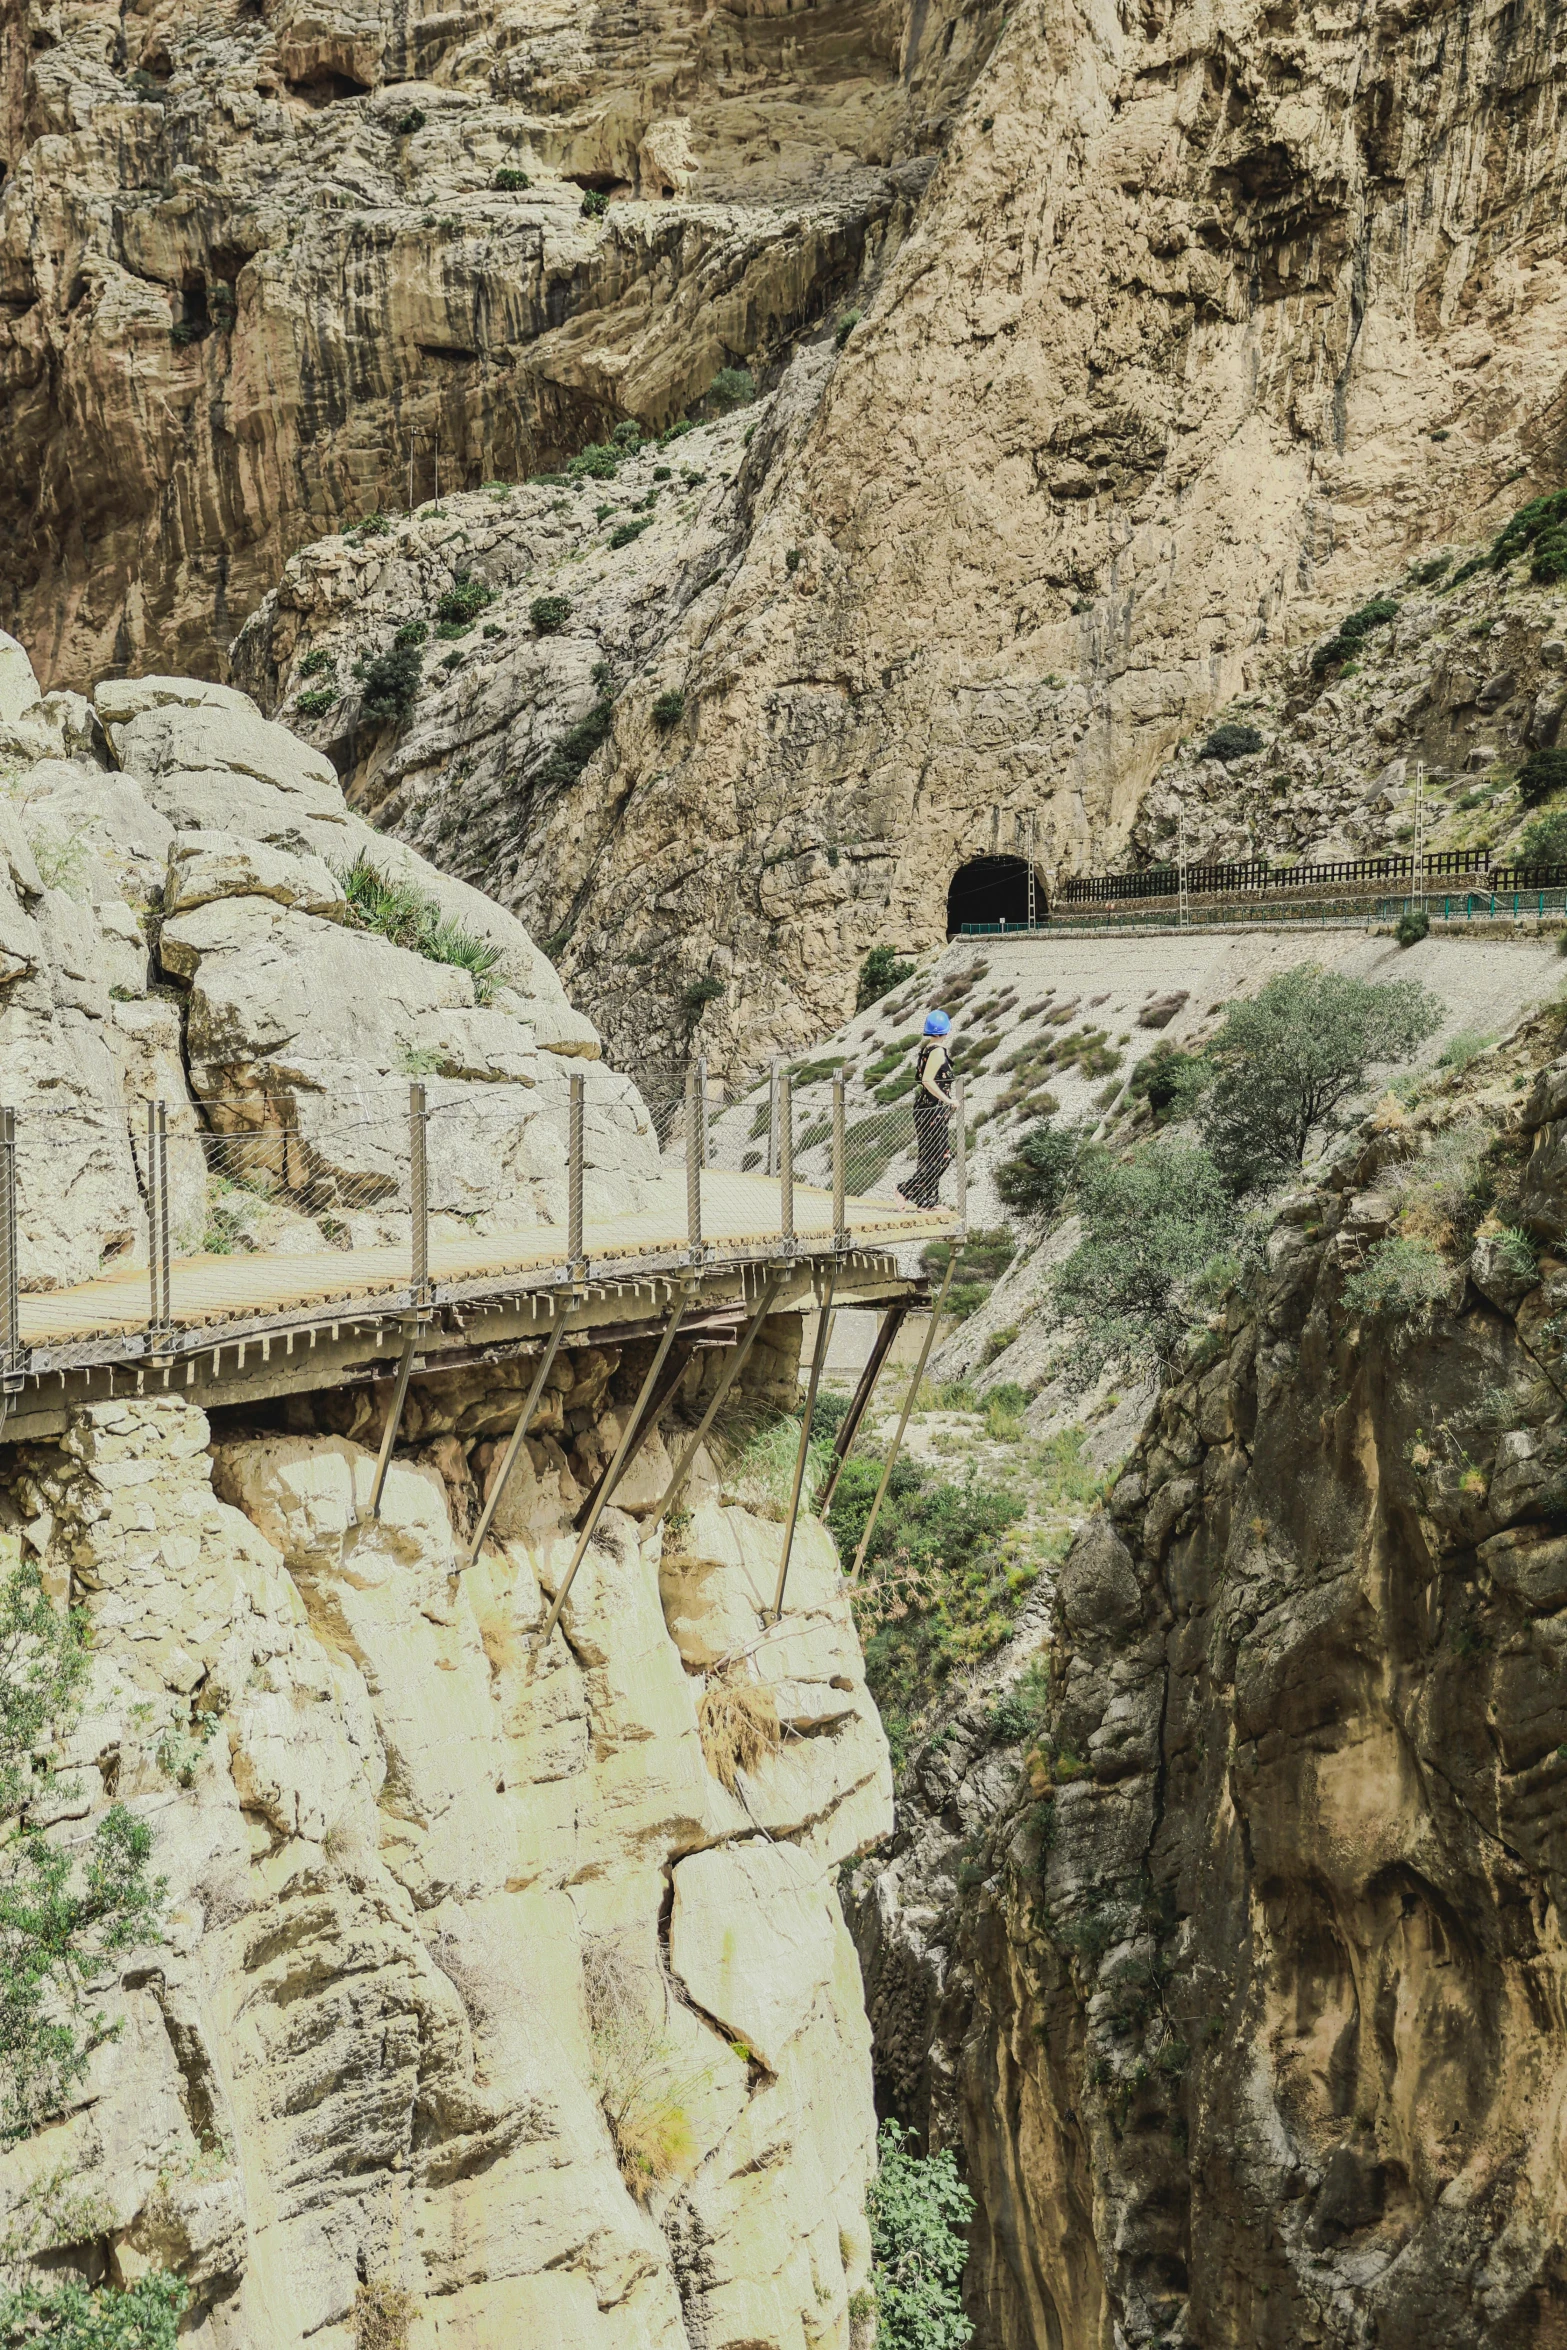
x,y
932,1121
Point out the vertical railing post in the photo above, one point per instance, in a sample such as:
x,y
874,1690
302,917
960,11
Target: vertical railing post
x,y
840,1237
10,1275
772,1117
696,1121
152,1216
419,1194
961,1155
786,1160
163,1211
576,1155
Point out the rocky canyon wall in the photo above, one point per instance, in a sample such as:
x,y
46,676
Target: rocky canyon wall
x,y
1228,1947
1207,324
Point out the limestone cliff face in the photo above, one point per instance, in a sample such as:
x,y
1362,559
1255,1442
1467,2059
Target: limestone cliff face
x,y
1245,2002
493,1999
257,273
1206,326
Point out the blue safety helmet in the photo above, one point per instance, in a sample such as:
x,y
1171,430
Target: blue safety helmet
x,y
937,1024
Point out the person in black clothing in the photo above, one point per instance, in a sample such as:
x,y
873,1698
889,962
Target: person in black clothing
x,y
933,1108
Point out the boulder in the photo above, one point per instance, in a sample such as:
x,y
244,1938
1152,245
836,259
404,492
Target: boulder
x,y
204,866
18,686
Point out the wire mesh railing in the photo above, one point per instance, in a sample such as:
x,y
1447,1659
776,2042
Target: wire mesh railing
x,y
265,1204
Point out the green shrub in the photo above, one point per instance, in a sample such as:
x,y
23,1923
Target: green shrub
x,y
1152,1224
1541,774
1020,1713
491,633
669,709
1426,574
374,525
1541,516
695,998
318,663
1287,1060
793,559
508,181
412,632
597,462
317,702
1231,741
1412,926
412,121
917,2207
1544,842
549,613
409,917
1353,631
1401,1276
391,680
571,754
73,2316
182,333
881,971
625,532
627,435
1167,1079
63,1914
463,601
846,326
594,204
731,388
1038,1176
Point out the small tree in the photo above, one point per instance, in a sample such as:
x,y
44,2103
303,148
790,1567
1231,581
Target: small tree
x,y
1288,1059
1153,1224
880,973
917,2205
1541,774
1544,842
1038,1176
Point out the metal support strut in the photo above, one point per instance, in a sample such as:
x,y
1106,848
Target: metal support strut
x,y
394,1417
519,1433
733,1366
892,1322
818,1365
623,1452
903,1417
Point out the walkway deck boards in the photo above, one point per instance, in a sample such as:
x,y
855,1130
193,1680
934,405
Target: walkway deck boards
x,y
740,1217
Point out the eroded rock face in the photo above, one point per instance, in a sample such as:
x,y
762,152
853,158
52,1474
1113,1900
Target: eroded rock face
x,y
266,270
424,2022
1175,368
1245,2006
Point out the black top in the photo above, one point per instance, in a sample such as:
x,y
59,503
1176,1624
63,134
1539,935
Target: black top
x,y
941,1074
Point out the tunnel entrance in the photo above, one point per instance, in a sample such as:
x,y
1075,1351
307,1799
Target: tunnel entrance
x,y
992,890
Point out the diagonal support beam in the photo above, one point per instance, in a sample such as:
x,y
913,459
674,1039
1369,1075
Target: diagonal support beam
x,y
892,1322
652,1411
393,1418
611,1479
519,1435
733,1366
818,1365
903,1417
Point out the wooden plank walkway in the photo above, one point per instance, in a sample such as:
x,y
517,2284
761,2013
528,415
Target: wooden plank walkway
x,y
740,1220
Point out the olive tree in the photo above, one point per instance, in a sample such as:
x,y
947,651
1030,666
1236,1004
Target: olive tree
x,y
1289,1060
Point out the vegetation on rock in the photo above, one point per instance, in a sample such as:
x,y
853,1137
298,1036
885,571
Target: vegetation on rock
x,y
409,917
918,2208
882,970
